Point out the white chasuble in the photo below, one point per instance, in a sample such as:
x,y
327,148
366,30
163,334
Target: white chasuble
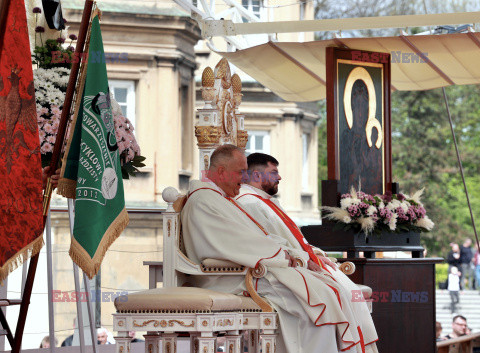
x,y
271,222
215,227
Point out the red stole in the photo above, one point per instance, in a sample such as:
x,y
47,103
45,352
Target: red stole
x,y
293,229
238,206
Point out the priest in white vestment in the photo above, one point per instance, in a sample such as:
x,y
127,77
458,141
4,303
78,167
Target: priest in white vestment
x,y
316,313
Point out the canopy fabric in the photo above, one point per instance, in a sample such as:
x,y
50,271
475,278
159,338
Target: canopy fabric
x,y
296,71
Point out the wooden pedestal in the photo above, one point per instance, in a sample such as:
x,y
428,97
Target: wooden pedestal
x,y
403,301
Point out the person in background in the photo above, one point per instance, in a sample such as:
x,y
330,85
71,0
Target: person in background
x,y
453,257
459,327
132,336
68,341
102,335
438,331
46,342
467,268
476,262
454,288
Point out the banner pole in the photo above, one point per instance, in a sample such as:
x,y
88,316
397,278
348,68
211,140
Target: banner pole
x,y
71,217
86,284
67,105
51,321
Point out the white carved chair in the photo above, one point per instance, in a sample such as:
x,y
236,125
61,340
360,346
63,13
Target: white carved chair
x,y
176,308
164,312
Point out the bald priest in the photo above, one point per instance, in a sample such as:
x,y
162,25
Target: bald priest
x,y
316,311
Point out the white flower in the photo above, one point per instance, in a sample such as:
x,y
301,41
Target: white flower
x,y
345,203
367,224
346,219
425,223
371,210
392,224
405,205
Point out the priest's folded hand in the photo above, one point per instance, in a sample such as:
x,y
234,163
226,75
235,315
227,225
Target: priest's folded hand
x,y
312,266
292,262
328,262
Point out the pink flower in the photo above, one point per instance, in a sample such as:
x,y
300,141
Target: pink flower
x,y
130,155
51,139
121,147
42,135
46,148
55,110
48,128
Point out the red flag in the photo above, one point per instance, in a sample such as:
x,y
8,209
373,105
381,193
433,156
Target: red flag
x,y
21,221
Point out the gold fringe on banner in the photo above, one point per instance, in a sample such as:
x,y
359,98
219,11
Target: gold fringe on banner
x,y
20,257
91,265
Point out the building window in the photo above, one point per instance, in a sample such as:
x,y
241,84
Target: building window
x,y
258,141
302,5
124,94
254,6
305,171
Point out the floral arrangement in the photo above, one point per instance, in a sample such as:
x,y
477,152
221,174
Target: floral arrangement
x,y
391,212
51,78
127,144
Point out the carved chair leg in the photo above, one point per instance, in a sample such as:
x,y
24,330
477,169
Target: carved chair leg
x,y
122,342
233,341
268,338
193,342
169,343
152,342
253,341
206,343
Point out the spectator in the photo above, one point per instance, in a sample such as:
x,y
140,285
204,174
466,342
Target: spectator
x,y
476,261
438,331
102,335
467,267
453,257
459,327
132,336
46,342
454,288
69,340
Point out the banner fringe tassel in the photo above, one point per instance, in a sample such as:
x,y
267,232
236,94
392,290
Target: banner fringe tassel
x,y
89,265
20,257
67,188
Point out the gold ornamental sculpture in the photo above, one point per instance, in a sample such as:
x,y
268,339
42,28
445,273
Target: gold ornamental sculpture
x,y
220,121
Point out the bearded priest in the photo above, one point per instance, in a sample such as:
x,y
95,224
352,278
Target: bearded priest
x,y
315,310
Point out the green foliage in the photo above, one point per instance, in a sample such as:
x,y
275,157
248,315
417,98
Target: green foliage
x,y
441,273
131,168
43,55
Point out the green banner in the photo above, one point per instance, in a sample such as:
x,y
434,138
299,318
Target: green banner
x,y
92,166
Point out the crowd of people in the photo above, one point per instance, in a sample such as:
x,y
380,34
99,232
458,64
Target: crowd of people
x,y
463,271
459,328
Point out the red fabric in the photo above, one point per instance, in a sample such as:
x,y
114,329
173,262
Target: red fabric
x,y
20,166
294,229
236,205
